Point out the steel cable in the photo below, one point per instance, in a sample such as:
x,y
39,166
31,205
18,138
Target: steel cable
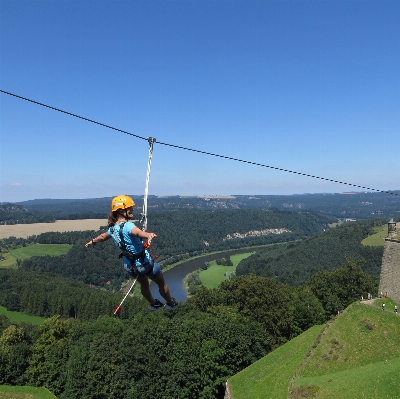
x,y
194,150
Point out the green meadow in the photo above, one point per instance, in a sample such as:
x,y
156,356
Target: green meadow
x,y
16,317
216,274
9,262
33,250
9,392
40,250
356,356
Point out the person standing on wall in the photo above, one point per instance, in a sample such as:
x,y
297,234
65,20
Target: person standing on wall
x,y
137,260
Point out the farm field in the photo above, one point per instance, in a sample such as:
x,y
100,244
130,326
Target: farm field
x,y
216,274
32,250
26,230
40,250
16,317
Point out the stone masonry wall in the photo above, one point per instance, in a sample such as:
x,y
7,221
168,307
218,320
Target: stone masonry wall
x,y
227,391
390,271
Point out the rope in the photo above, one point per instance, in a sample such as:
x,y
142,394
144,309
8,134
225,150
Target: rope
x,y
146,187
194,150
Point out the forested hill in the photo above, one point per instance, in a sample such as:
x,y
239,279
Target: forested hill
x,y
13,213
179,234
194,230
19,214
295,263
361,205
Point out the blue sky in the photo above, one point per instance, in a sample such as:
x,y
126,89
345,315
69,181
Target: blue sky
x,y
308,86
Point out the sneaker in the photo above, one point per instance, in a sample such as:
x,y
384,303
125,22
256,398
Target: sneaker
x,y
170,306
156,305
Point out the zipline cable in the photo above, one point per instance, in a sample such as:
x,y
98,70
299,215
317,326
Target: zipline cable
x,y
193,150
71,114
274,167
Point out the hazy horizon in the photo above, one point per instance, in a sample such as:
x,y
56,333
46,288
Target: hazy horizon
x,y
232,196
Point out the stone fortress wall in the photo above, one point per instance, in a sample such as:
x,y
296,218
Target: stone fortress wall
x,y
390,271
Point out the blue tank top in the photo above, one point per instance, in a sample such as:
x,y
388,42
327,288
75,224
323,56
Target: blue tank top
x,y
133,244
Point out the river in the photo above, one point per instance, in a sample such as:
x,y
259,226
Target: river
x,y
174,277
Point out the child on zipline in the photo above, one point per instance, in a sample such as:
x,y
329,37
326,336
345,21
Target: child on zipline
x,y
137,260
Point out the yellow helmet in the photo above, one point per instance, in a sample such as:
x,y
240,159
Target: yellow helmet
x,y
121,202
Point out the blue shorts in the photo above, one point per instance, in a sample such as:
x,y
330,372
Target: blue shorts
x,y
151,272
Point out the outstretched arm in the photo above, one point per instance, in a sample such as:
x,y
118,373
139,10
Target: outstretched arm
x,y
102,237
143,234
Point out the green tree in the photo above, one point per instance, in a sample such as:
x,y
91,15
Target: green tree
x,y
50,355
14,354
263,300
336,290
11,336
76,370
306,309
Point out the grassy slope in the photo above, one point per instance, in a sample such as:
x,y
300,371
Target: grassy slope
x,y
9,392
371,381
215,274
269,377
357,356
377,239
16,317
349,343
353,360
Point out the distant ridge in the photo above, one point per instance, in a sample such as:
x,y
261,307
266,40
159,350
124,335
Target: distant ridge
x,y
361,205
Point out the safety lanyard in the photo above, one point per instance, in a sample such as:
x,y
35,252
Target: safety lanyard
x,y
143,219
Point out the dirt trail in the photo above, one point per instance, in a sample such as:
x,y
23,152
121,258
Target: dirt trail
x,y
371,302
